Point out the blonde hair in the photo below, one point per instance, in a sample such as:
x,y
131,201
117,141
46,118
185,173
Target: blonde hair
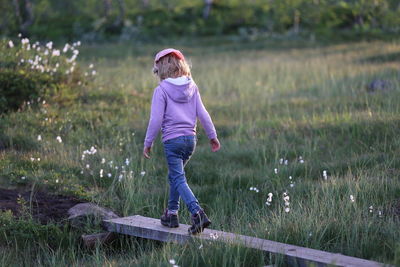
x,y
170,66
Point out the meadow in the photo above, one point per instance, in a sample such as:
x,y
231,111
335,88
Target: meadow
x,y
308,156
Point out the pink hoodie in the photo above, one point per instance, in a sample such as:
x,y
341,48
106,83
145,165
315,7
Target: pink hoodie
x,y
175,107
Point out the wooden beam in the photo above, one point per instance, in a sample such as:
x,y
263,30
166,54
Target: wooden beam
x,y
297,256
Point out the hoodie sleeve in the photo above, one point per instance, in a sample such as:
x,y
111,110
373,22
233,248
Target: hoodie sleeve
x,y
204,117
156,116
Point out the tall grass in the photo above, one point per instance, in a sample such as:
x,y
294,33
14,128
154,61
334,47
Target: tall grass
x,y
268,103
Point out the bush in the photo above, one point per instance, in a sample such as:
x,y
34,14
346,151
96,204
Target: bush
x,y
20,86
33,73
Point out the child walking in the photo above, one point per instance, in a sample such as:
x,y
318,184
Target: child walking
x,y
175,107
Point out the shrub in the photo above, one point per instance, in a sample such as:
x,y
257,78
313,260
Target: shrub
x,y
19,86
34,72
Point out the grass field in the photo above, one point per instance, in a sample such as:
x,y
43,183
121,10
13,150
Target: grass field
x,y
284,114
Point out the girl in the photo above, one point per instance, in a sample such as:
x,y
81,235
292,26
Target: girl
x,y
175,107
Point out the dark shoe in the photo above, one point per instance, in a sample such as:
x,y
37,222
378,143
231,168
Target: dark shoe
x,y
199,222
169,220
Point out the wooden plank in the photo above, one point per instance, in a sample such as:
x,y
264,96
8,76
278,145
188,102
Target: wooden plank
x,y
151,228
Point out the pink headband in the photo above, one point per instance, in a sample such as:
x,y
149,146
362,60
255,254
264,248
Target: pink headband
x,y
167,51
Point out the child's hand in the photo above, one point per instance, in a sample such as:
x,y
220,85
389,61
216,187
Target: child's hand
x,y
146,152
215,145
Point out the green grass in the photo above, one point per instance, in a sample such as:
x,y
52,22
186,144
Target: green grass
x,y
268,101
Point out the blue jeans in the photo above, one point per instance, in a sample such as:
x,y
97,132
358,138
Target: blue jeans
x,y
178,151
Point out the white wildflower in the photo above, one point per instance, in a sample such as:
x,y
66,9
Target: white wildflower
x,y
49,45
38,159
39,138
325,175
109,175
101,173
58,138
286,199
93,72
87,166
286,162
55,53
142,173
269,199
56,181
66,47
10,44
120,178
371,209
352,199
23,177
91,66
276,171
91,151
24,41
103,160
126,161
172,261
72,59
32,159
281,161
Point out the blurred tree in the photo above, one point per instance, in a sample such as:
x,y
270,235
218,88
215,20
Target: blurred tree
x,y
121,14
24,15
207,8
146,3
98,19
107,8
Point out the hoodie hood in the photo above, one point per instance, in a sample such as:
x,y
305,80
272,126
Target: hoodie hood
x,y
179,89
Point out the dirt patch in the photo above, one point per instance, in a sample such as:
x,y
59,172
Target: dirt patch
x,y
44,207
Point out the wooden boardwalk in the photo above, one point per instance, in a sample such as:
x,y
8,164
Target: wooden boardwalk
x,y
151,228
